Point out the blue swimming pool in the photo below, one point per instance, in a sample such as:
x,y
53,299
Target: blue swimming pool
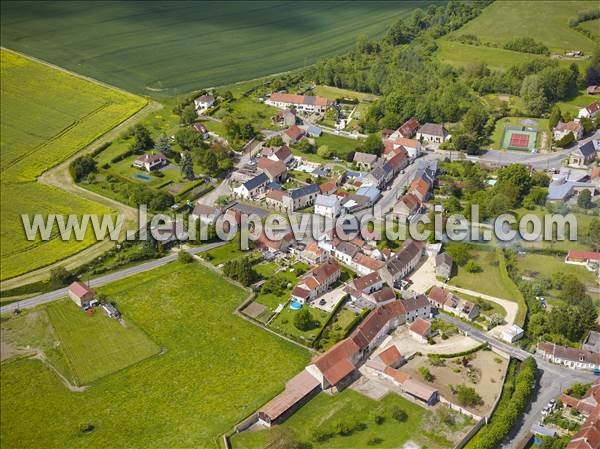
x,y
295,305
141,177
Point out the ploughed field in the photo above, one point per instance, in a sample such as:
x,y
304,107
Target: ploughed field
x,y
168,48
47,116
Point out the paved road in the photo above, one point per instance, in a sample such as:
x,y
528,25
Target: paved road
x,y
102,280
552,380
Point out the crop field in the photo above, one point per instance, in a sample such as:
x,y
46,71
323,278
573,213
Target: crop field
x,y
47,116
544,21
215,370
192,45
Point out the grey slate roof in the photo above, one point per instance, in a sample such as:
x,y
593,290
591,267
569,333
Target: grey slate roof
x,y
403,258
303,191
588,149
257,181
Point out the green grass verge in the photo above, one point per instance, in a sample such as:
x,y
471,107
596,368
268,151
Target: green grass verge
x,y
216,370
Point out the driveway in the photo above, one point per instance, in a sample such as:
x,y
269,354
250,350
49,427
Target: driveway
x,y
408,345
331,298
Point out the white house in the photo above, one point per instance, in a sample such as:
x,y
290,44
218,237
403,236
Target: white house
x,y
252,187
328,206
150,161
590,111
203,102
420,330
433,133
562,129
512,333
569,357
304,103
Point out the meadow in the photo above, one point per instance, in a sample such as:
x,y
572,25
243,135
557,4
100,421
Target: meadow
x,y
324,412
192,45
47,116
215,370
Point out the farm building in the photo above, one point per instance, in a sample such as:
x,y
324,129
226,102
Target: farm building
x,y
302,103
81,294
203,102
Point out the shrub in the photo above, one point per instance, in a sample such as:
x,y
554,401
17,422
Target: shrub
x,y
399,414
185,257
467,396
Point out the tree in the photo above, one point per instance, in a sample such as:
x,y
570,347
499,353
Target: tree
x,y
399,414
305,146
187,166
304,320
59,277
467,396
533,95
142,139
460,252
555,116
188,139
426,374
188,115
514,175
275,141
592,235
372,145
473,267
566,141
584,200
185,257
324,152
210,162
81,167
161,201
163,145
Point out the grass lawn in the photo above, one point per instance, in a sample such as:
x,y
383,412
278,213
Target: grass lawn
x,y
98,345
547,266
47,116
593,26
284,324
486,307
575,104
216,370
544,21
338,328
341,146
266,269
227,252
192,46
542,126
287,277
324,412
492,280
247,109
333,93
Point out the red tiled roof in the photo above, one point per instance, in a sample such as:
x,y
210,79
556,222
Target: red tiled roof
x,y
421,327
368,262
398,376
296,389
328,187
409,128
294,132
299,99
439,295
410,143
367,281
276,195
391,356
300,292
377,319
583,255
80,289
337,362
325,271
384,295
271,167
420,185
595,106
411,201
200,128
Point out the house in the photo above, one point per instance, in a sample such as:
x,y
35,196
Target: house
x,y
407,130
421,189
391,357
313,254
583,156
593,90
328,206
592,342
286,117
364,161
443,299
206,214
402,263
408,205
420,330
411,146
417,307
317,281
302,103
590,111
283,154
150,162
363,264
292,135
202,130
345,252
443,266
432,133
203,102
562,129
578,257
328,188
313,131
252,187
301,197
512,333
569,357
274,199
375,327
562,190
280,243
369,292
81,294
367,284
370,192
276,170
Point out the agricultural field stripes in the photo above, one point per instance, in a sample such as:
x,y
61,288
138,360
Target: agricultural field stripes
x,y
48,115
164,49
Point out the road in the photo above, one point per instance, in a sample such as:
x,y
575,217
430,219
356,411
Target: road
x,y
552,380
102,280
536,160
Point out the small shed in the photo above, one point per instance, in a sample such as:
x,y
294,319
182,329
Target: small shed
x,y
81,294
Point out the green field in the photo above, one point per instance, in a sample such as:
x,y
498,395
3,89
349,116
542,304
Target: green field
x,y
47,116
593,26
544,21
324,412
164,49
215,370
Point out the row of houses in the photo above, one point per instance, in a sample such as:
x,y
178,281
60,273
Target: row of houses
x,y
569,357
445,300
588,435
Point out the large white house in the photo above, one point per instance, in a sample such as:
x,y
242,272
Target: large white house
x,y
328,206
203,102
590,111
304,103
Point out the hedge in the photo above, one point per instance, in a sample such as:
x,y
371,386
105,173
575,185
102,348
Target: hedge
x,y
464,353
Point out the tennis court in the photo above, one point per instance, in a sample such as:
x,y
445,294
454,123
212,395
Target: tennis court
x,y
519,138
